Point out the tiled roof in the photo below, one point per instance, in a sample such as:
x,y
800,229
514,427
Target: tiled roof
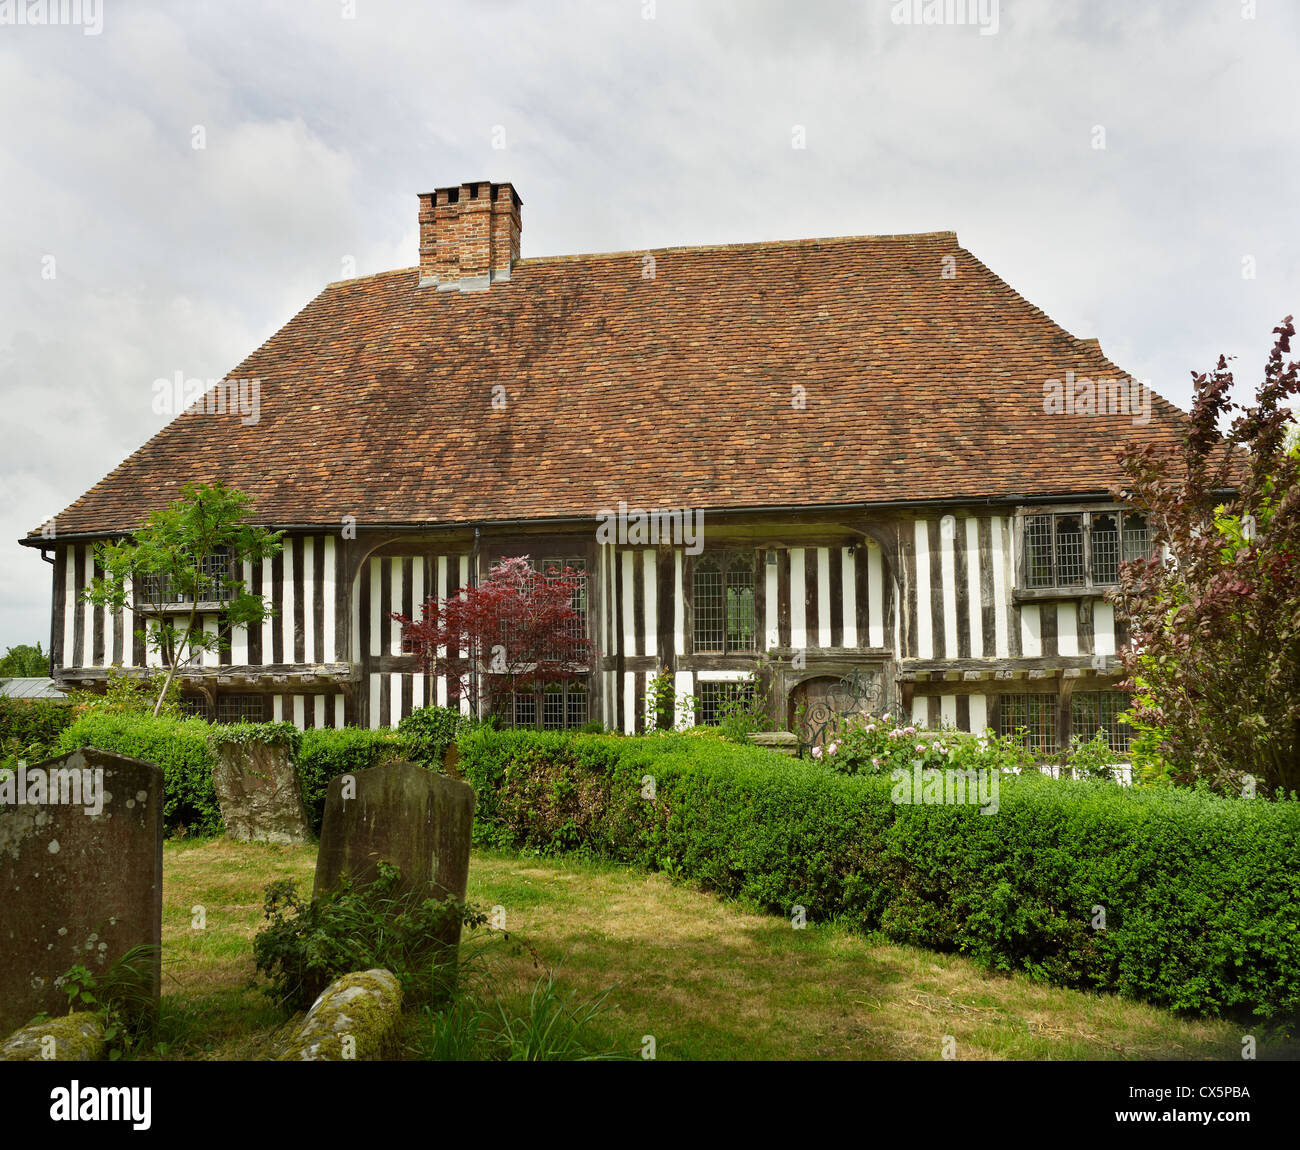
x,y
676,389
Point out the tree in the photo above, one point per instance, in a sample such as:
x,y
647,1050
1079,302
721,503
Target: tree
x,y
1214,625
515,631
25,661
185,562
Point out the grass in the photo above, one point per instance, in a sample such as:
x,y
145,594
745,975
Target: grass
x,y
705,978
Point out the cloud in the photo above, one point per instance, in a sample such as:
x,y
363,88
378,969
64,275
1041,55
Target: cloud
x,y
619,132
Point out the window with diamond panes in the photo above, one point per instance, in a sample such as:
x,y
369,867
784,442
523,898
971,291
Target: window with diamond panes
x,y
561,706
577,569
714,696
1093,711
723,602
241,708
218,571
1081,549
1036,714
194,705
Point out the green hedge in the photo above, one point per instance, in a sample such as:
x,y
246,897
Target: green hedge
x,y
184,749
29,726
1201,894
179,746
325,754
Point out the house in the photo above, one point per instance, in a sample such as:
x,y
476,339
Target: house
x,y
899,467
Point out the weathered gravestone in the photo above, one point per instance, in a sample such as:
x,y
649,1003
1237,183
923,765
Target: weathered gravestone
x,y
258,791
399,813
80,874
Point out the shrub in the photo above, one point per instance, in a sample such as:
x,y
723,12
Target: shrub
x,y
30,728
181,747
1200,896
308,944
880,745
427,732
323,754
131,694
122,997
185,749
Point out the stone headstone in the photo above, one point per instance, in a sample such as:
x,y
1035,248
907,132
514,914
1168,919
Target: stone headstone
x,y
80,874
420,821
259,794
416,819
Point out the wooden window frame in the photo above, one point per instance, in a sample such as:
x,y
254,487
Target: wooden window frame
x,y
148,606
724,557
1088,588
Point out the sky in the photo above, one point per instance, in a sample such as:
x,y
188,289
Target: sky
x,y
178,179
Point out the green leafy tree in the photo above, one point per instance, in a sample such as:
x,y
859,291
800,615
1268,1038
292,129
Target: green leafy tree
x,y
1214,616
184,562
25,661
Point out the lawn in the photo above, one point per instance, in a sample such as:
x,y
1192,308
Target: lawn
x,y
705,977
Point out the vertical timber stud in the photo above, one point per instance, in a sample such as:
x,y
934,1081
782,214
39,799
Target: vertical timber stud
x,y
665,585
961,573
988,604
1063,713
907,556
938,621
862,590
811,619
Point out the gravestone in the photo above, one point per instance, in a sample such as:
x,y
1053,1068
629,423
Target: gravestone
x,y
399,813
80,874
259,794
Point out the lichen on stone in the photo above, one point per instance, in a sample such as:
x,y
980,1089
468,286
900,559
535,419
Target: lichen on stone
x,y
362,1007
75,1037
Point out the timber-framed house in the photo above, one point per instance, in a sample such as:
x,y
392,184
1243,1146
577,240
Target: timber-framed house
x,y
899,467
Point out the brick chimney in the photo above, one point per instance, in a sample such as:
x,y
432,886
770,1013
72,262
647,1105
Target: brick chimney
x,y
469,236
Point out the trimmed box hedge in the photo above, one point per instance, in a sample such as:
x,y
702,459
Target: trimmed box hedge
x,y
179,746
1200,894
183,748
32,724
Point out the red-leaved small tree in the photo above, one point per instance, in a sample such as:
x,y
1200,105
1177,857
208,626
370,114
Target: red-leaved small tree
x,y
515,631
1214,628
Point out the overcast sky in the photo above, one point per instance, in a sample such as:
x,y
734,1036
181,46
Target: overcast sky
x,y
129,253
